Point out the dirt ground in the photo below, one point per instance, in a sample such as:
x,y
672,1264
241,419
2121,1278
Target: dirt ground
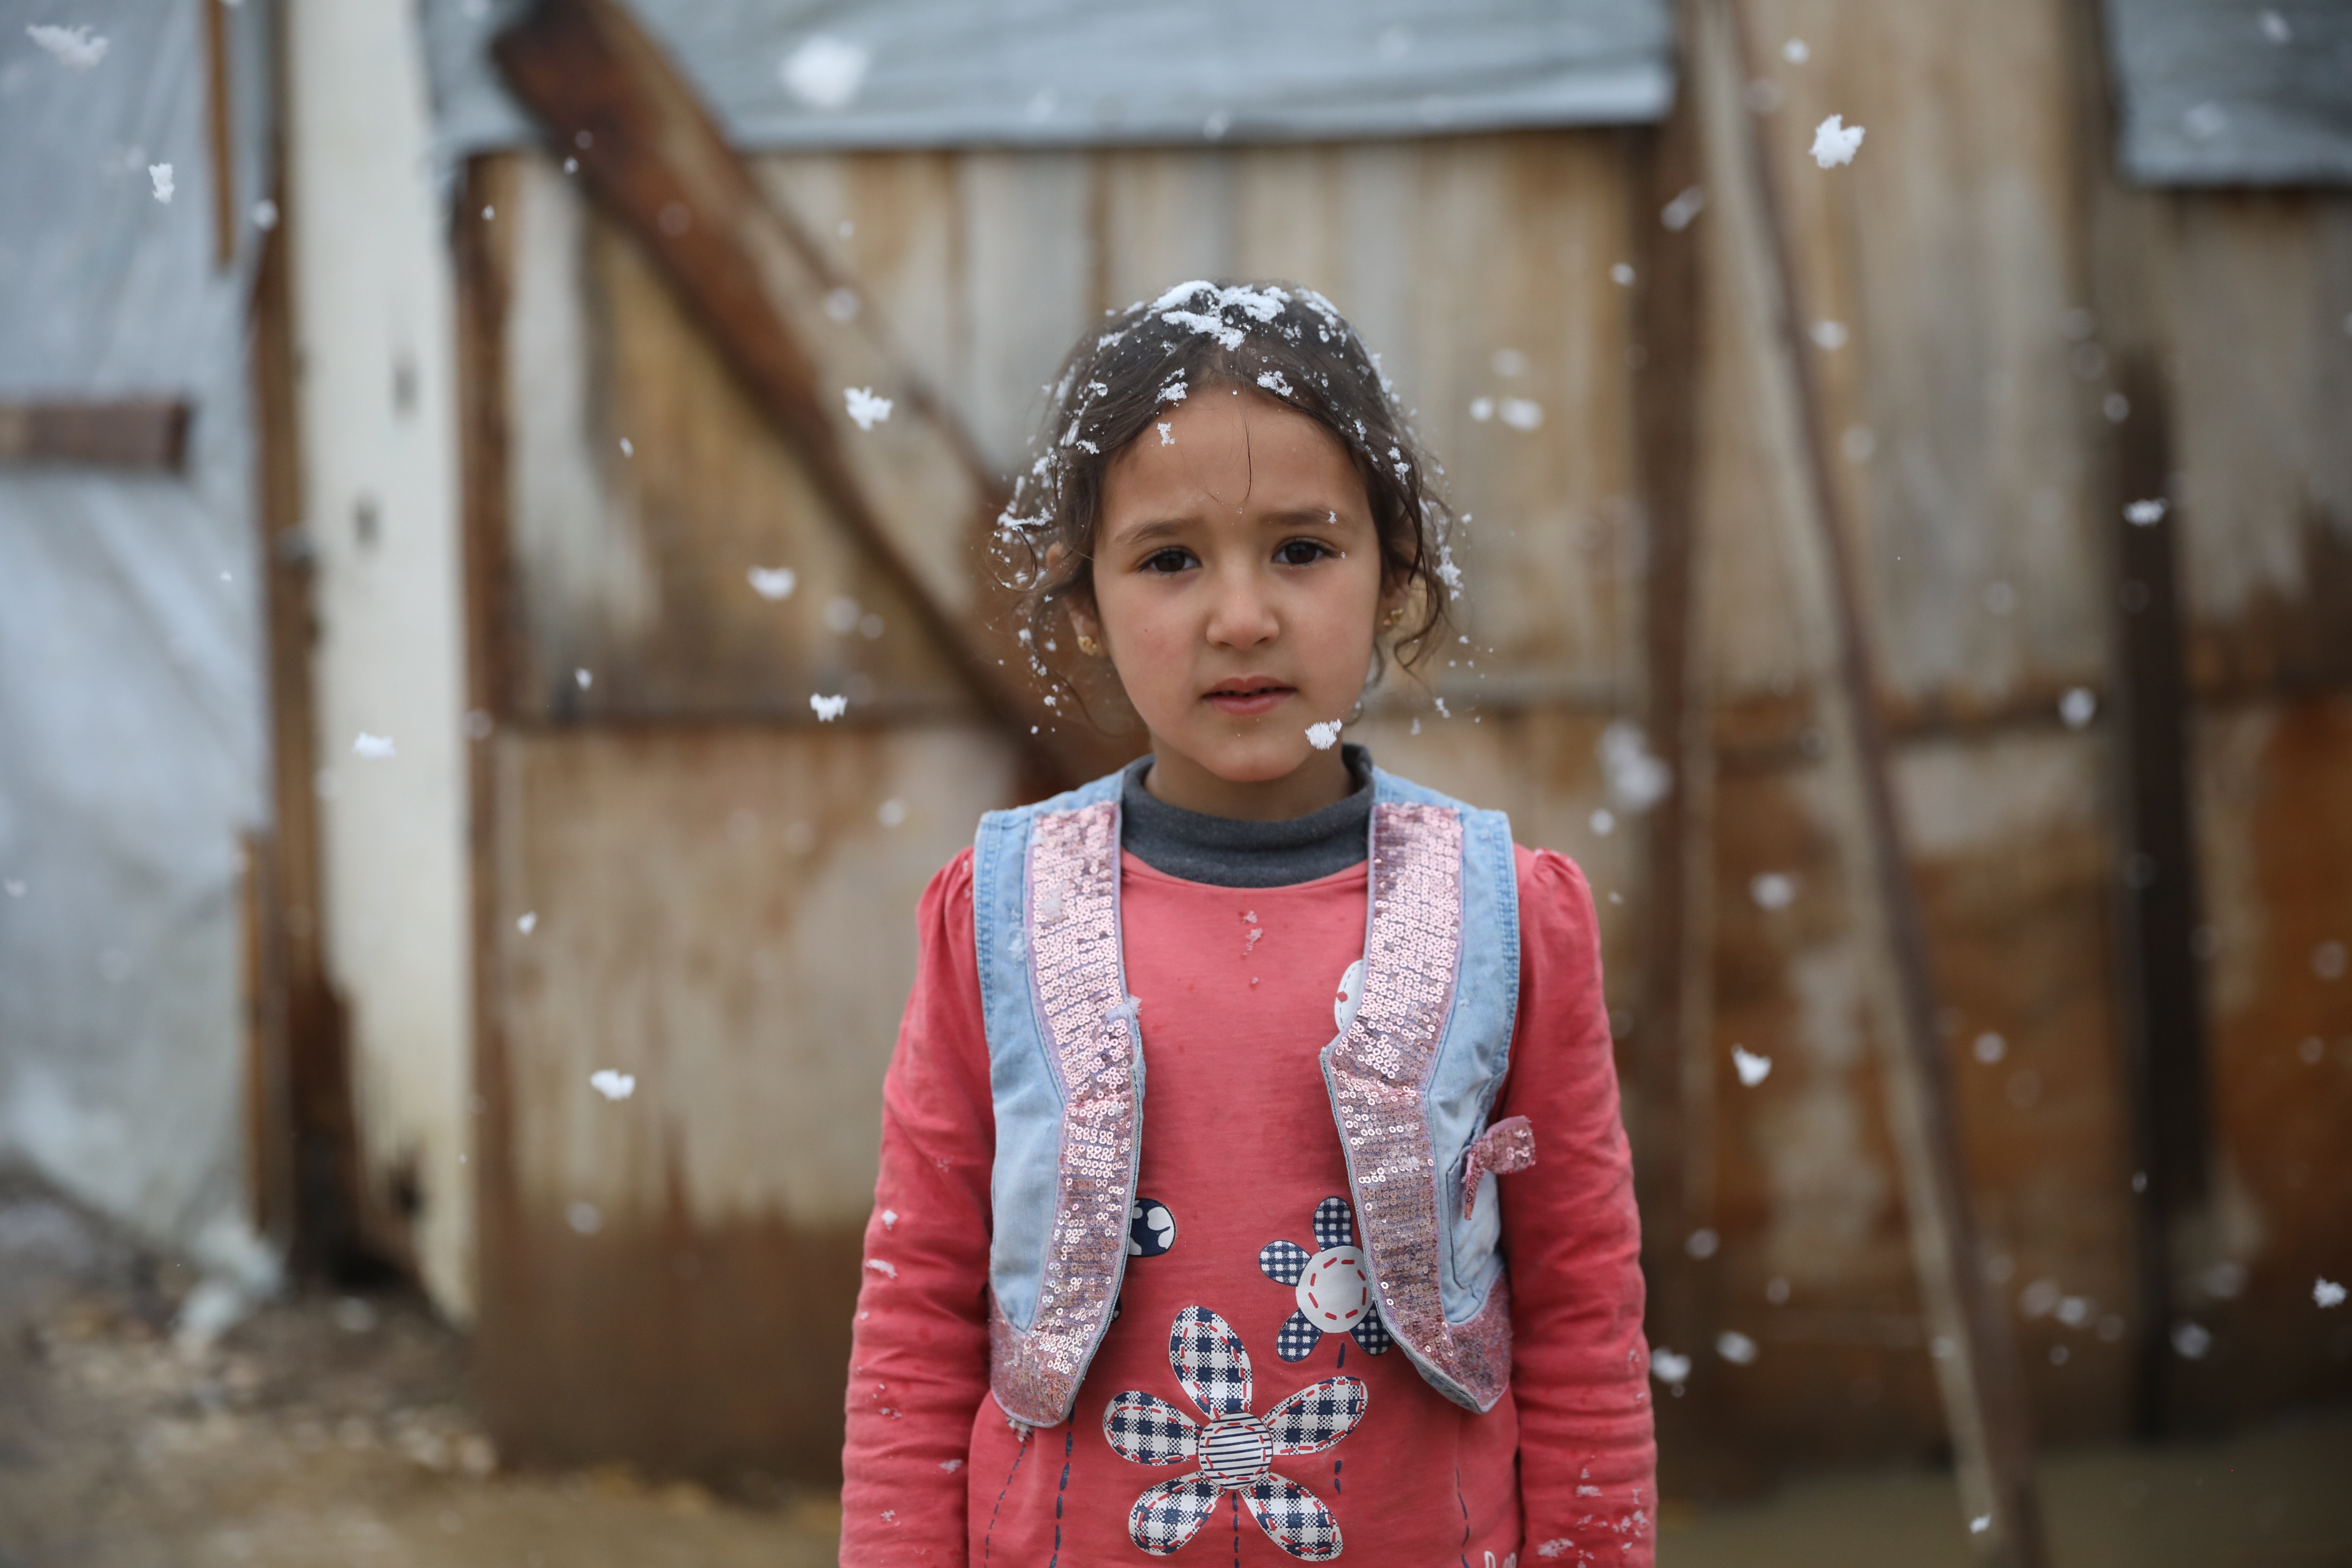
x,y
334,1430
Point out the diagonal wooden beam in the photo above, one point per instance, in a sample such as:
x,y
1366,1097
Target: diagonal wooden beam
x,y
912,487
133,433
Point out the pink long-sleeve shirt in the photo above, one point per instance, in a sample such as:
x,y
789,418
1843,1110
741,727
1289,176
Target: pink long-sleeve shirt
x,y
1241,1164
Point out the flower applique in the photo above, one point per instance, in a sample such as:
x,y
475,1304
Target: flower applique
x,y
1234,1449
1332,1284
1151,1231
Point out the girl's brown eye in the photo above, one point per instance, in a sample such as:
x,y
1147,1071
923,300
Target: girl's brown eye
x,y
1171,560
1302,552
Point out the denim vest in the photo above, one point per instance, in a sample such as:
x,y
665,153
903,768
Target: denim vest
x,y
1412,1076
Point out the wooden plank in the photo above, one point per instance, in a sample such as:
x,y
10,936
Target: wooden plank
x,y
913,489
2163,1034
218,127
1983,1402
326,1216
128,432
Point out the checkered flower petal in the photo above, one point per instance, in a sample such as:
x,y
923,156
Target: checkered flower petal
x,y
1282,1261
1294,1516
1172,1513
1297,1337
1208,1358
1334,1225
1314,1418
1148,1430
1372,1333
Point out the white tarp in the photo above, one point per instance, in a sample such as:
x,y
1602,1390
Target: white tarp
x,y
2232,92
131,695
798,74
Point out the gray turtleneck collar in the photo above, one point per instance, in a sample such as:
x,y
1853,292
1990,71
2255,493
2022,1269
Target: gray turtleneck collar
x,y
1228,852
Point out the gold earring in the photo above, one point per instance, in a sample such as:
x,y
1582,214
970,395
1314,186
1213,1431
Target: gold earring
x,y
1395,619
1088,647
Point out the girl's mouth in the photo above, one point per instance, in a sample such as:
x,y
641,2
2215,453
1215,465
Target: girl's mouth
x,y
1250,696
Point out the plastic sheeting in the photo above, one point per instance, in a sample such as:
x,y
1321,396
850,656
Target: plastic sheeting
x,y
2219,93
809,74
131,696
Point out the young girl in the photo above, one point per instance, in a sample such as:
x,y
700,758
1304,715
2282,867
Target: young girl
x,y
1253,1185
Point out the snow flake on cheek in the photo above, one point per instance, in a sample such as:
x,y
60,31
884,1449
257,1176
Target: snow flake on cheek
x,y
1167,435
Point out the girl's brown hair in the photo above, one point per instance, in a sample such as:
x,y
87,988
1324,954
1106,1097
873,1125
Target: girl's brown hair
x,y
1290,343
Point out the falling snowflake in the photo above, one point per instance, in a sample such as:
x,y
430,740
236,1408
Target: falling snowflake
x,y
2327,1293
1753,1069
1980,1524
866,408
891,813
827,709
1637,779
826,72
842,304
1622,274
1520,413
1990,1047
2191,1340
1734,1347
161,175
1796,51
586,677
2144,513
584,1217
2275,29
1323,736
2078,707
774,583
1605,821
376,748
1829,335
1773,890
75,47
1667,1367
1835,143
1677,214
613,1085
526,922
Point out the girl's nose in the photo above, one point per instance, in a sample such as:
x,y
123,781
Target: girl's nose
x,y
1242,616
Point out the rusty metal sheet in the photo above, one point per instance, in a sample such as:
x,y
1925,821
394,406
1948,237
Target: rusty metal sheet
x,y
2273,779
726,915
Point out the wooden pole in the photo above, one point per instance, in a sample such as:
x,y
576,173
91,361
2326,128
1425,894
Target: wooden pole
x,y
1974,1361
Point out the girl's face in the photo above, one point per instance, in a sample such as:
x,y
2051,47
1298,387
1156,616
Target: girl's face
x,y
1237,589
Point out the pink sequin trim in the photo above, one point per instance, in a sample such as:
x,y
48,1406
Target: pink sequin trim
x,y
1506,1148
1379,1071
1091,1038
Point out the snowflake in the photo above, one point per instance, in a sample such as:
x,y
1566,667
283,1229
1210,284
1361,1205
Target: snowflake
x,y
1236,1450
865,407
1272,380
887,1270
826,72
73,46
161,175
774,583
2142,513
827,709
1667,1367
2327,1293
613,1085
1773,890
1323,736
1753,1069
1835,141
376,748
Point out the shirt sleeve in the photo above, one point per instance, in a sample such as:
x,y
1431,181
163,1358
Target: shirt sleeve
x,y
1580,1365
918,1356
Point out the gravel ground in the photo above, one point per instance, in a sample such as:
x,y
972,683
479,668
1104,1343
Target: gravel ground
x,y
334,1430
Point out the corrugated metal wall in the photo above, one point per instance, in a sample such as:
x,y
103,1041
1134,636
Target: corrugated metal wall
x,y
723,890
